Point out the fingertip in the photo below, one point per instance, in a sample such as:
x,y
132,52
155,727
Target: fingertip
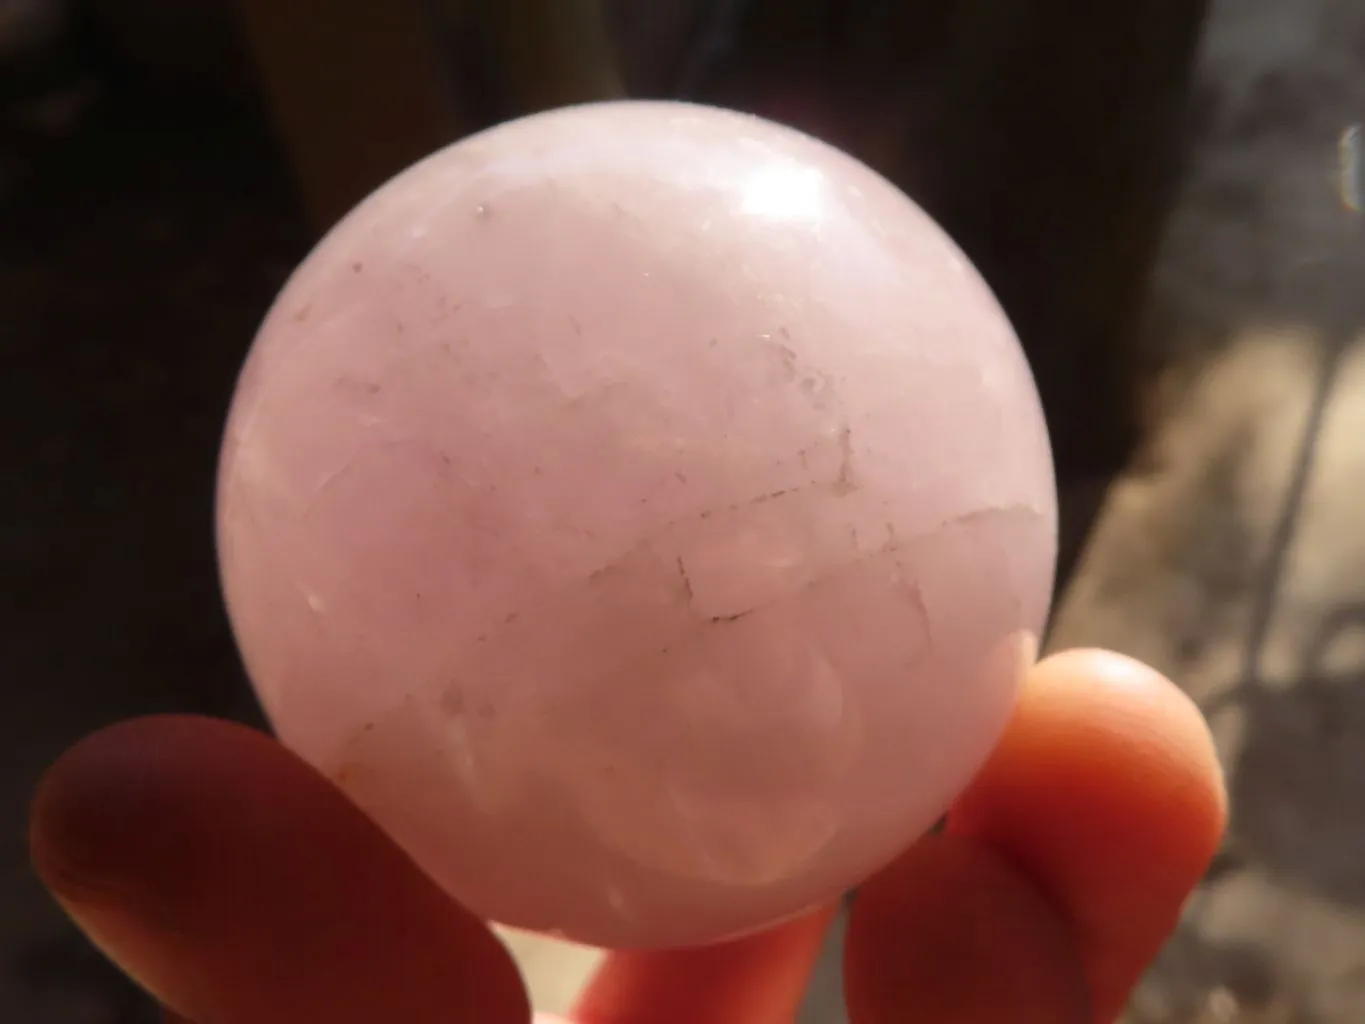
x,y
236,883
1106,790
99,811
1137,704
1102,731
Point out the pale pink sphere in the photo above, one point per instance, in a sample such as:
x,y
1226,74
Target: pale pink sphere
x,y
645,513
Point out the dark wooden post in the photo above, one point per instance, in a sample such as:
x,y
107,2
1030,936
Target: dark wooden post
x,y
358,89
1059,140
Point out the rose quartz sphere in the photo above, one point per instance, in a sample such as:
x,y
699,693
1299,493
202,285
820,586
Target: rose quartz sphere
x,y
643,512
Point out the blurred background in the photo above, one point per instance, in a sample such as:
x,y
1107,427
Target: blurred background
x,y
1166,197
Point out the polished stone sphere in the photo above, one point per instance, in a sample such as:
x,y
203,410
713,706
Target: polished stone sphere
x,y
645,513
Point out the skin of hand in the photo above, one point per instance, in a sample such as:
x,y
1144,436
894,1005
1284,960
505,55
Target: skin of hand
x,y
238,886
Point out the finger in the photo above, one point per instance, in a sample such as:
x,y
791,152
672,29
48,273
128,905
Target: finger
x,y
1108,793
1091,823
953,934
238,885
754,980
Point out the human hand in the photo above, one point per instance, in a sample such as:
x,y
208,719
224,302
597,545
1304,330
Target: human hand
x,y
239,887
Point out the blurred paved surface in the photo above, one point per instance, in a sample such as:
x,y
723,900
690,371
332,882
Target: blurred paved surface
x,y
1233,555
